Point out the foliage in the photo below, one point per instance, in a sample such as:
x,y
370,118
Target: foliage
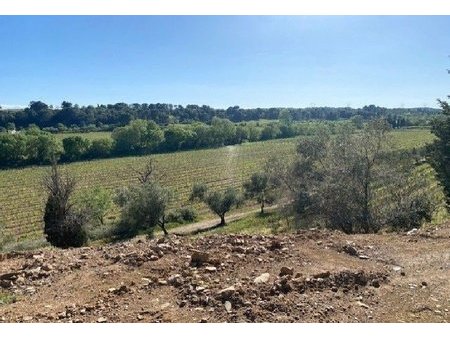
x,y
261,188
75,148
340,179
440,149
95,204
222,202
143,207
64,227
73,116
199,190
182,215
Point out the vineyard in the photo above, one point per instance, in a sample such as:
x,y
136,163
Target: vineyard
x,y
22,197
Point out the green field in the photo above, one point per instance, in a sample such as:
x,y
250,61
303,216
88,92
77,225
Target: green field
x,y
95,135
22,197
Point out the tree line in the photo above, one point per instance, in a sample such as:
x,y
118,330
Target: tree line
x,y
33,146
106,117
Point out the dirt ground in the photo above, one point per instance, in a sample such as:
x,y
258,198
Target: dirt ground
x,y
308,276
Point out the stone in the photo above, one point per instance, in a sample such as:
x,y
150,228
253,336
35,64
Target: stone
x,y
286,271
199,258
412,232
362,304
396,268
228,306
334,289
376,283
210,269
27,318
102,320
351,250
263,278
424,283
226,293
363,257
175,280
323,274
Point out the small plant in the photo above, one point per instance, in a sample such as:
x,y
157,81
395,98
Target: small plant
x,y
182,215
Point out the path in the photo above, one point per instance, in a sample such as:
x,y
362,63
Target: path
x,y
206,225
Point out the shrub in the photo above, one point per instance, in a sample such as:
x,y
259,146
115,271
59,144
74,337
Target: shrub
x,y
63,227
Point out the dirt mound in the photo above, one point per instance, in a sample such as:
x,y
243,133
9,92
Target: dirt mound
x,y
310,276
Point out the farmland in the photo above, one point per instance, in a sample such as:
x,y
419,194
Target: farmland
x,y
95,135
22,198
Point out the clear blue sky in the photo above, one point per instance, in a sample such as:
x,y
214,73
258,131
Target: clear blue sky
x,y
223,61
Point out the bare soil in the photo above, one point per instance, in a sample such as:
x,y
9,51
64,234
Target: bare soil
x,y
307,276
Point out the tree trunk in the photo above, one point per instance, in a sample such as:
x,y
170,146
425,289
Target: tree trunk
x,y
222,220
162,225
262,208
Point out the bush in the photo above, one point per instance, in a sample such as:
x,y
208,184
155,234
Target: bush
x,y
143,207
182,215
62,226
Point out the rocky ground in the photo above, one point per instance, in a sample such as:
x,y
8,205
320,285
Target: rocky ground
x,y
308,276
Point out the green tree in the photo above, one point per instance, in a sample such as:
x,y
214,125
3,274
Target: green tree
x,y
440,149
143,207
260,188
218,202
100,148
222,202
95,204
75,148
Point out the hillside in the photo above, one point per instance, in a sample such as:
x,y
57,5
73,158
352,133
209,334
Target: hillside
x,y
22,201
326,277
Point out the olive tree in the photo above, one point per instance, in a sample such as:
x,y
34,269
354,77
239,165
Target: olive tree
x,y
219,202
260,188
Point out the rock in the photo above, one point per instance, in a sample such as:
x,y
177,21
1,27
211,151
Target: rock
x,y
140,317
403,273
412,232
102,320
362,304
376,283
165,306
275,244
286,271
319,242
228,306
146,281
30,290
424,283
334,289
323,274
9,276
210,269
263,278
203,320
396,268
363,257
226,293
351,250
175,280
199,258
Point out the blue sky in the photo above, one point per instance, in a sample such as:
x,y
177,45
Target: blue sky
x,y
222,61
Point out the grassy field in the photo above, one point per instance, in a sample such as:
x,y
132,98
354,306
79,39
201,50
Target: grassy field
x,y
95,135
22,197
